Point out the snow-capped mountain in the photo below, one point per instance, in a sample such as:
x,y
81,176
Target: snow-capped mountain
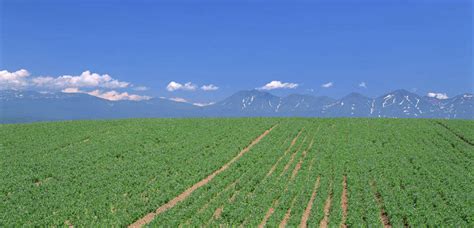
x,y
260,103
305,105
396,104
404,104
354,104
247,103
460,106
28,106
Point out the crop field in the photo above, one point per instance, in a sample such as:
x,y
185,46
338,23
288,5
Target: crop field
x,y
250,172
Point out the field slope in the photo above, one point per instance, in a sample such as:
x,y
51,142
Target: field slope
x,y
249,171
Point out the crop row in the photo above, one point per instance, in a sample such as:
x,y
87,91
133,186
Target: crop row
x,y
304,172
395,172
109,172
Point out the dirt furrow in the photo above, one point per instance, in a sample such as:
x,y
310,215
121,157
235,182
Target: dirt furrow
x,y
218,212
292,158
307,211
300,163
150,216
268,214
327,211
286,152
383,215
344,202
231,199
461,137
287,215
217,196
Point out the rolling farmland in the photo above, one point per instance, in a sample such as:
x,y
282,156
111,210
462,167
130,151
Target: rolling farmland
x,y
251,172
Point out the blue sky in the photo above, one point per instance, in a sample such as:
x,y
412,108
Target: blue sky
x,y
416,45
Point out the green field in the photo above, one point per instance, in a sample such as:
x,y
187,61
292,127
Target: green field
x,y
250,172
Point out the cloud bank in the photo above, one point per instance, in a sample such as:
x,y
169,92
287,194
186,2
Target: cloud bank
x,y
13,80
84,80
109,95
94,82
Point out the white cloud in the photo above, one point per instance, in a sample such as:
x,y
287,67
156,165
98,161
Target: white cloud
x,y
13,80
327,85
72,90
172,86
116,96
441,96
71,84
209,87
178,99
203,104
279,85
183,100
86,79
363,85
140,88
109,95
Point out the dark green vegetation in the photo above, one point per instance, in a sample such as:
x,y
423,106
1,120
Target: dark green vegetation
x,y
395,172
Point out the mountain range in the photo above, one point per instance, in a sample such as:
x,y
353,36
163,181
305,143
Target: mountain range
x,y
31,106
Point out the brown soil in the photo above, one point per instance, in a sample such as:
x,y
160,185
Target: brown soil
x,y
218,212
232,198
150,216
39,182
288,164
284,154
327,210
285,219
344,202
383,215
307,211
296,169
287,215
268,215
68,224
229,186
298,166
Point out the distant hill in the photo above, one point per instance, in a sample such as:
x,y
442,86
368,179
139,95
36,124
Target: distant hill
x,y
30,106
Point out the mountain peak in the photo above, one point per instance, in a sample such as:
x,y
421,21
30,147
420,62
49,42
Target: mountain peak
x,y
253,92
25,106
355,95
401,92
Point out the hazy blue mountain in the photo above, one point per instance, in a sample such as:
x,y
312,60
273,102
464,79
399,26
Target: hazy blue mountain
x,y
404,104
29,106
260,103
353,105
246,103
304,105
461,106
